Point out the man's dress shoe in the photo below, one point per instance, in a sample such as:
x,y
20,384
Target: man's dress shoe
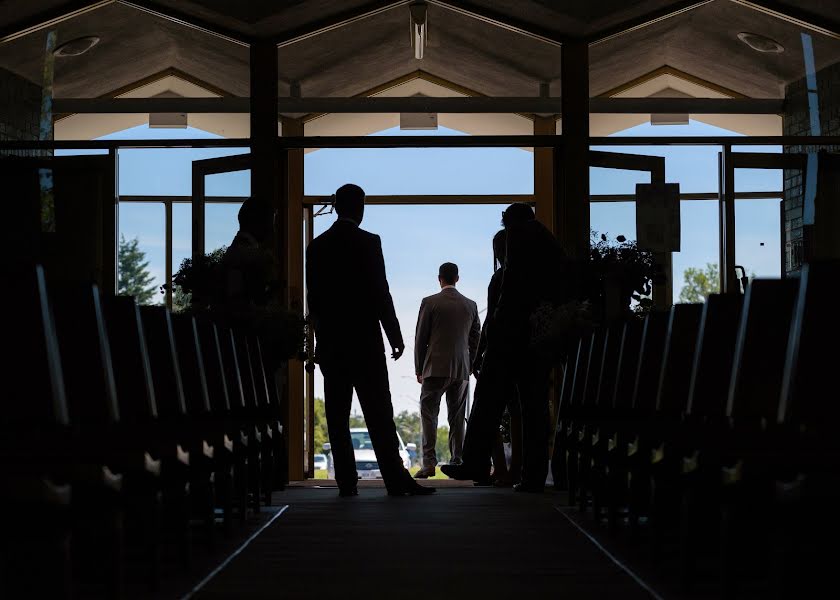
x,y
348,492
425,473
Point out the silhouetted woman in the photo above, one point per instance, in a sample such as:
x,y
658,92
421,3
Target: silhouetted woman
x,y
501,474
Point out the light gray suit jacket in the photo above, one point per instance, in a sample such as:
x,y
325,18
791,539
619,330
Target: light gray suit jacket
x,y
448,331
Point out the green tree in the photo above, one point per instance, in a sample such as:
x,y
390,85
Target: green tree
x,y
321,434
410,427
699,283
134,276
442,445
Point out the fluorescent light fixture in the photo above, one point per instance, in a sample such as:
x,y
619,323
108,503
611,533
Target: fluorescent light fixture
x,y
409,121
669,119
167,120
419,27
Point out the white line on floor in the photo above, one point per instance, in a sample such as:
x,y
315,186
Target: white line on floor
x,y
236,553
617,562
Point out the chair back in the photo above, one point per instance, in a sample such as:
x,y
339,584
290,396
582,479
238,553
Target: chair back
x,y
810,385
130,356
650,362
628,363
85,355
714,355
163,357
680,346
760,350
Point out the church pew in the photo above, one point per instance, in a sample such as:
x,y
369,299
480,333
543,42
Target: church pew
x,y
588,422
807,484
35,495
205,443
643,405
139,429
264,418
273,416
248,416
228,437
247,436
666,432
559,471
573,414
622,397
605,420
171,434
702,426
99,457
749,446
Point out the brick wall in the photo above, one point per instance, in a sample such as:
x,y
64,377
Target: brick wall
x,y
797,122
20,110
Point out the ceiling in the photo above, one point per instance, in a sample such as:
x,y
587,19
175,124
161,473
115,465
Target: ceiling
x,y
471,52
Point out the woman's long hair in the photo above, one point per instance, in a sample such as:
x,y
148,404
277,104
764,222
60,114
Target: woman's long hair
x,y
499,249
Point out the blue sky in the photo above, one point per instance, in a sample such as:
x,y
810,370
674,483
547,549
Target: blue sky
x,y
418,239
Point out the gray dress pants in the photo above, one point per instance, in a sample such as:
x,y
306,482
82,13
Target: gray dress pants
x,y
457,391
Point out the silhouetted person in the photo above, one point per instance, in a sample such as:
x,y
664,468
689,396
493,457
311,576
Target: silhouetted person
x,y
445,346
502,476
348,299
532,275
249,268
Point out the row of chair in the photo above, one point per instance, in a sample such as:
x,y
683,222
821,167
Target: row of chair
x,y
715,426
125,429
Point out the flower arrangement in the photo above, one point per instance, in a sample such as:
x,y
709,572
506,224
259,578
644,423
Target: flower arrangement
x,y
203,287
620,272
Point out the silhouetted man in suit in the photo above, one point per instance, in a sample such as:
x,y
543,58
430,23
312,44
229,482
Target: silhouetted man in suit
x,y
348,299
533,274
445,347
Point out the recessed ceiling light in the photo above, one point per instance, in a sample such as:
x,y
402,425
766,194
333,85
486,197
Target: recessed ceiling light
x,y
761,43
77,47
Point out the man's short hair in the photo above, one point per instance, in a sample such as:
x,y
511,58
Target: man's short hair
x,y
517,213
448,273
349,199
256,217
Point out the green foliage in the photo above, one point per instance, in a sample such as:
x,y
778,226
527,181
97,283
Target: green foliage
x,y
133,272
623,263
198,283
699,283
410,427
442,445
321,435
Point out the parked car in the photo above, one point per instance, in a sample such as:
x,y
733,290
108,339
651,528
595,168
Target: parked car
x,y
320,462
366,465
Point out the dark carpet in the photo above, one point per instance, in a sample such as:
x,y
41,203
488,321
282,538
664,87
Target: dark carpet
x,y
461,543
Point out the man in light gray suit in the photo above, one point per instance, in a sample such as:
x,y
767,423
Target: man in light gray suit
x,y
448,331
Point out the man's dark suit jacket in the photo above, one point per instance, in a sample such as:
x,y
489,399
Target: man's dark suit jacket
x,y
348,295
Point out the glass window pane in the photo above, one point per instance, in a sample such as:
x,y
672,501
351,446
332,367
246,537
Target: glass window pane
x,y
181,233
221,224
758,237
613,219
413,171
142,257
699,247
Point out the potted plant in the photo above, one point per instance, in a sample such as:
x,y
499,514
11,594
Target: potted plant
x,y
620,273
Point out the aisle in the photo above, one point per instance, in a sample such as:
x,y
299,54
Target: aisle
x,y
463,543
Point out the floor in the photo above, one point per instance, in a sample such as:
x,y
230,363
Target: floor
x,y
461,543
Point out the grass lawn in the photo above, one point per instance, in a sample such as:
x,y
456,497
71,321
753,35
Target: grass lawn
x,y
322,473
